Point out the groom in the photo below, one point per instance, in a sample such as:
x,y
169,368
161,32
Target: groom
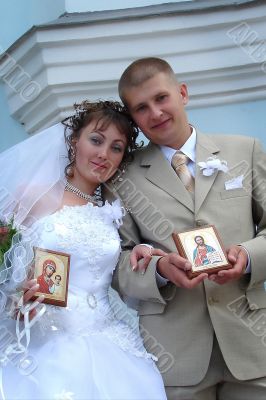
x,y
214,327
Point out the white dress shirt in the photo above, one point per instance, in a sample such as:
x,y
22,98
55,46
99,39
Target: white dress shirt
x,y
188,148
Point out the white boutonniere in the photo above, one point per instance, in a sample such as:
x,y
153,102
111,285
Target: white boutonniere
x,y
209,166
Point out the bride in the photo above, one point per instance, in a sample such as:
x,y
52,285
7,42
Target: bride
x,y
81,351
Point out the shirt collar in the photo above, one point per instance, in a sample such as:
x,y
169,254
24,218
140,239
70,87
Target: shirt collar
x,y
188,148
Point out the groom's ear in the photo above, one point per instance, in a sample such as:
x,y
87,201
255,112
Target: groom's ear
x,y
184,93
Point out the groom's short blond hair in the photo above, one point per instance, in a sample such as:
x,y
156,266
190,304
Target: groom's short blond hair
x,y
140,71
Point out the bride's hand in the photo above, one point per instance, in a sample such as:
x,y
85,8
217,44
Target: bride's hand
x,y
141,255
30,288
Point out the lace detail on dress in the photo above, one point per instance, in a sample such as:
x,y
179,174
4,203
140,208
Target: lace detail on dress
x,y
89,234
128,339
85,229
79,319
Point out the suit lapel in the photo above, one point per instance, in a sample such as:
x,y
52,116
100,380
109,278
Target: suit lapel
x,y
160,173
205,148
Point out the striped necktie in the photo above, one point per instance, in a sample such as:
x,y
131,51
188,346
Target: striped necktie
x,y
179,163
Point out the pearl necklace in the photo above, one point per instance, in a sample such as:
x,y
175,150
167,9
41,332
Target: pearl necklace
x,y
71,188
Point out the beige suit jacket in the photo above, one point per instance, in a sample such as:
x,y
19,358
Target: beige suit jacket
x,y
178,324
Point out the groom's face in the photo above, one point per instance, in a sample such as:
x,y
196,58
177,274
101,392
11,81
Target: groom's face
x,y
157,106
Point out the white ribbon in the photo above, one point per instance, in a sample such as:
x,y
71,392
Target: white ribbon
x,y
3,301
18,347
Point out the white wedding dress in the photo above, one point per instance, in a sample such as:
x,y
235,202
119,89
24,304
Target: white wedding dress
x,y
83,351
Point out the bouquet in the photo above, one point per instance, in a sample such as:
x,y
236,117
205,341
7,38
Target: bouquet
x,y
7,232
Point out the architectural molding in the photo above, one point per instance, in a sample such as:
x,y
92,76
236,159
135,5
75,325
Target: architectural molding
x,y
217,47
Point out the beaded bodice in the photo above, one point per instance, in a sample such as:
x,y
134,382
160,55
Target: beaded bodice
x,y
90,235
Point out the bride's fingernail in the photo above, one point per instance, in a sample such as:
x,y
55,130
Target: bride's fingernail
x,y
134,267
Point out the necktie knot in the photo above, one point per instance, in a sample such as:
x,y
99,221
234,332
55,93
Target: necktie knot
x,y
179,159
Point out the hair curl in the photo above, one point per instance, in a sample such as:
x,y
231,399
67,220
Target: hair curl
x,y
103,113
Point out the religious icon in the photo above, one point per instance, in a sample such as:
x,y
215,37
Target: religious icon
x,y
51,269
203,248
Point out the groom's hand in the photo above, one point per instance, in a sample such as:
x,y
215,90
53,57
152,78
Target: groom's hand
x,y
238,258
174,268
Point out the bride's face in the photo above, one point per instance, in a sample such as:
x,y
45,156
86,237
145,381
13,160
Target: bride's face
x,y
98,153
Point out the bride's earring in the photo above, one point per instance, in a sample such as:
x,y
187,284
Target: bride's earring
x,y
70,171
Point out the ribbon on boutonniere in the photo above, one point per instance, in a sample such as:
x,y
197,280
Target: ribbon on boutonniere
x,y
209,166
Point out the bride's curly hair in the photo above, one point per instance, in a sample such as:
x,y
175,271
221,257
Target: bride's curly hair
x,y
103,113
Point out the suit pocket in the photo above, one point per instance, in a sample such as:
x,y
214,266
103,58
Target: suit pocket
x,y
256,298
228,194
